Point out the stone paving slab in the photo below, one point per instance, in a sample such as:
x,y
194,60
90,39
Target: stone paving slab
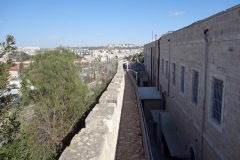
x,y
129,146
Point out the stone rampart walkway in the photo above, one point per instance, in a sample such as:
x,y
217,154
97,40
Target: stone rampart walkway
x,y
129,145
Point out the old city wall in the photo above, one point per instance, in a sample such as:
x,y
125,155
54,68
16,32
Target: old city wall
x,y
98,140
221,141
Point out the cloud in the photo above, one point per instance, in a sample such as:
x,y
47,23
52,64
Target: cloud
x,y
177,13
54,37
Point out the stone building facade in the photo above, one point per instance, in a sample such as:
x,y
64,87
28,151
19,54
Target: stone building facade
x,y
14,72
198,67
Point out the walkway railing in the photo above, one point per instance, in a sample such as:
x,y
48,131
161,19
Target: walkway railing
x,y
146,141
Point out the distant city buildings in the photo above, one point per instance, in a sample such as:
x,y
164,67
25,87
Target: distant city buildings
x,y
105,53
122,45
28,50
92,54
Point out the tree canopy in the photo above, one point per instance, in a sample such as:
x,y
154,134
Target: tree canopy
x,y
9,119
60,100
139,57
21,56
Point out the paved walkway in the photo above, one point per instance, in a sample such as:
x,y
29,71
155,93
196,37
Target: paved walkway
x,y
129,145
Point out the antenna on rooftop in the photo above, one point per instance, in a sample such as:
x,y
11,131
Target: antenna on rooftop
x,y
152,35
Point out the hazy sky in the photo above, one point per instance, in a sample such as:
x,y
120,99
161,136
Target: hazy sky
x,y
50,23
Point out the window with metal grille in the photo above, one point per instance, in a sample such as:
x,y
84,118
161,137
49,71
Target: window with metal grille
x,y
162,67
182,78
195,87
174,74
166,73
217,99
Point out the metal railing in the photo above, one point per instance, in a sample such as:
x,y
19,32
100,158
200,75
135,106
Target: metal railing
x,y
136,73
145,137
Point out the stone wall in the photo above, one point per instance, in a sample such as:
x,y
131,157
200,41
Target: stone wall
x,y
150,61
98,140
186,48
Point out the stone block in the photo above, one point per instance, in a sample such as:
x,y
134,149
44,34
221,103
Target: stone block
x,y
102,114
88,144
109,97
114,87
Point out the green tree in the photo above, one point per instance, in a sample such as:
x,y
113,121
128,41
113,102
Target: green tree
x,y
138,57
22,56
61,97
60,101
9,117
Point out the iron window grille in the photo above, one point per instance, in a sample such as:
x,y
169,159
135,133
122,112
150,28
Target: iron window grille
x,y
195,87
162,67
166,74
174,74
217,99
182,78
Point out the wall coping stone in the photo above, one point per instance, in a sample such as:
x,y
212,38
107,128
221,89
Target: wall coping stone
x,y
99,139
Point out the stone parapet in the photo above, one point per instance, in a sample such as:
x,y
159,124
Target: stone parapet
x,y
99,139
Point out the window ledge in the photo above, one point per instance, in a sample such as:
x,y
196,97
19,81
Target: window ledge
x,y
217,125
194,105
182,93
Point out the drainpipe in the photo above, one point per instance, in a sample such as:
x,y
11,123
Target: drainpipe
x,y
159,61
168,66
151,68
204,93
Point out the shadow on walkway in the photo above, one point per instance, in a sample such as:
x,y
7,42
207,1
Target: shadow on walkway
x,y
129,145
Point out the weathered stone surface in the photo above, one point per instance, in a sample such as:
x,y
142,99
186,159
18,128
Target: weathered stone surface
x,y
100,115
88,144
114,87
109,97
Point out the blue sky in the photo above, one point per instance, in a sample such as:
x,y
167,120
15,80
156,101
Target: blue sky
x,y
51,23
